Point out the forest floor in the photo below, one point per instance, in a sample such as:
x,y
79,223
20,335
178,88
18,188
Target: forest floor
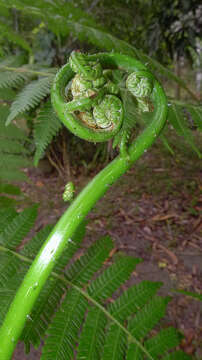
x,y
152,212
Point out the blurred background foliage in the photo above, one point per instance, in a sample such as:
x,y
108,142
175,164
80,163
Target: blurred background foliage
x,y
37,39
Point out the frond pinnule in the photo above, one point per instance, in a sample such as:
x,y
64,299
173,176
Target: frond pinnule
x,y
13,37
14,232
46,127
196,114
165,340
29,97
6,217
13,154
133,299
81,271
178,120
91,340
148,317
60,344
111,278
177,355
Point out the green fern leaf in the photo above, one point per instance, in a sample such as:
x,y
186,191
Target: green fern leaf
x,y
13,37
178,121
12,146
64,328
7,94
9,265
115,344
10,189
148,317
115,275
44,308
11,79
177,355
13,161
12,175
46,127
6,217
7,202
32,247
91,340
6,296
191,294
13,60
29,97
196,114
165,340
83,269
133,299
14,232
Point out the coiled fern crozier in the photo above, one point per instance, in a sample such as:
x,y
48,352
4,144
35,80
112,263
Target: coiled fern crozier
x,y
81,90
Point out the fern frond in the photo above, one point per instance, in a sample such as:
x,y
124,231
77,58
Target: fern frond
x,y
29,97
80,322
13,37
191,294
13,60
115,344
177,355
12,146
165,340
148,317
46,127
65,327
91,340
13,79
13,161
133,299
7,202
179,122
14,232
81,271
12,175
9,265
6,217
110,280
158,345
13,154
10,189
7,94
196,114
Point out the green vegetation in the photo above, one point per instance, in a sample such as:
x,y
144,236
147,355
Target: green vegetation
x,y
77,306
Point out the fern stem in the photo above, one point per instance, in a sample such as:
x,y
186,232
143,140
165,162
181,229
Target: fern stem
x,y
23,70
60,236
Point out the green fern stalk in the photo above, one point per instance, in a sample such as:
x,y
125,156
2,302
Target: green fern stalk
x,y
62,233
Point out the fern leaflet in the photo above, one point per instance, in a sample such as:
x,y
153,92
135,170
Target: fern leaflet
x,y
29,97
46,127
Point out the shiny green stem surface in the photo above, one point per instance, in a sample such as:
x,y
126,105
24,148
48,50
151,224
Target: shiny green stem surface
x,y
60,236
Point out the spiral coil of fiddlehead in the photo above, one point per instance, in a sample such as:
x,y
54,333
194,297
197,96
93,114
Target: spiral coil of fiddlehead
x,y
91,96
141,87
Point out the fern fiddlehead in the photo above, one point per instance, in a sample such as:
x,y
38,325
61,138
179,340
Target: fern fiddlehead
x,y
62,233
